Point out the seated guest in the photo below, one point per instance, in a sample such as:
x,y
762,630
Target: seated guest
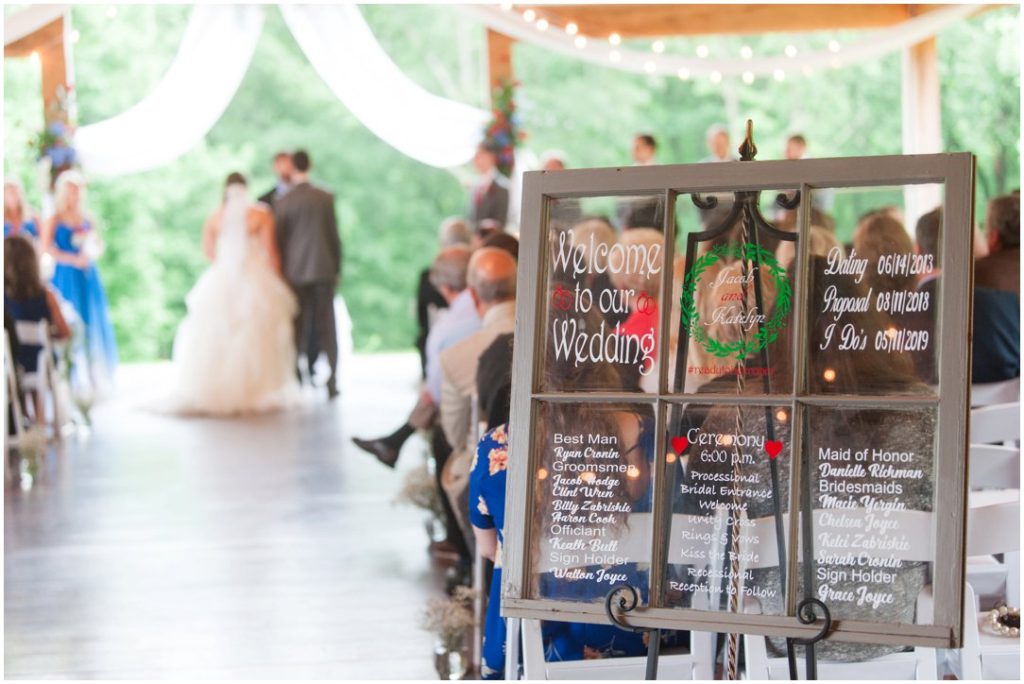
x,y
492,284
642,293
483,231
596,278
504,241
429,300
27,299
995,354
448,274
1000,270
877,235
19,218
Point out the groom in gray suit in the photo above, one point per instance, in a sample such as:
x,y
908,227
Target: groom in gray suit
x,y
307,236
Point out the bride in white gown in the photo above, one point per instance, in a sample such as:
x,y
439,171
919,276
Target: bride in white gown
x,y
234,353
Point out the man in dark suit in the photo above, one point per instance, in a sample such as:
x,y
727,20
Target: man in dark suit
x,y
996,320
307,235
1000,270
283,169
489,196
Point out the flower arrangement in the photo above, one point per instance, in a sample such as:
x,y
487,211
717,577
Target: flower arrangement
x,y
53,145
451,618
502,133
420,490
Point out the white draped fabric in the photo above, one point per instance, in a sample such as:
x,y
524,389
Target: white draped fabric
x,y
344,51
212,60
209,66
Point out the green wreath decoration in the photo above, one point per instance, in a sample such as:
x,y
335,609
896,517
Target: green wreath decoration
x,y
767,333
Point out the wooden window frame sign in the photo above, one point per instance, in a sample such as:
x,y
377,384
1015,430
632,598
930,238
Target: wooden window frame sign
x,y
542,190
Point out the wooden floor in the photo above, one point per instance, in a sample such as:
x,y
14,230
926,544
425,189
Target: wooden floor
x,y
158,547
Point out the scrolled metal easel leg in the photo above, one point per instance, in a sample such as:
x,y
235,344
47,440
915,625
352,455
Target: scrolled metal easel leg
x,y
805,613
626,605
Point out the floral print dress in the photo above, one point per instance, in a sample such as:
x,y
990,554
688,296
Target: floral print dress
x,y
562,640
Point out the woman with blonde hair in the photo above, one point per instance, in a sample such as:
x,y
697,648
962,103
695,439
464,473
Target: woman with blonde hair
x,y
19,218
70,236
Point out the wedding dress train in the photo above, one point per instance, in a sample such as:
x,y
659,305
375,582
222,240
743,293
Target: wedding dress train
x,y
234,353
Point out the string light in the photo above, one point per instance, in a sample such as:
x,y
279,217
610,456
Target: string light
x,y
571,28
746,52
829,375
529,15
542,24
34,57
833,46
702,51
748,77
684,74
779,75
791,50
542,473
615,39
670,457
716,76
650,67
581,42
632,472
658,46
781,415
614,56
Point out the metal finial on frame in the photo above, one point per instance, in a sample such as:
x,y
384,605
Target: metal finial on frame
x,y
748,150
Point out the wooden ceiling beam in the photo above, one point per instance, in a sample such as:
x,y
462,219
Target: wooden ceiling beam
x,y
636,21
45,38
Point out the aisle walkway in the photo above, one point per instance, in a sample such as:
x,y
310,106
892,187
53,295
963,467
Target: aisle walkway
x,y
265,547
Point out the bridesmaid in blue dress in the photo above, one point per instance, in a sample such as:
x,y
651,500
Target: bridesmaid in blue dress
x,y
71,238
19,219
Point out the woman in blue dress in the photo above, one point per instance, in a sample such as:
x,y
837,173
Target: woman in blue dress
x,y
19,219
27,299
71,238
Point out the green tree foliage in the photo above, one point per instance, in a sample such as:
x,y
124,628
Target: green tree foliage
x,y
389,206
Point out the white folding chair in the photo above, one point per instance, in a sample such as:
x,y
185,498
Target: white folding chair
x,y
987,393
13,434
44,381
993,526
996,424
994,467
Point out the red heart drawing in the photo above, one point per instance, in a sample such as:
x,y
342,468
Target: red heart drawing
x,y
773,449
679,445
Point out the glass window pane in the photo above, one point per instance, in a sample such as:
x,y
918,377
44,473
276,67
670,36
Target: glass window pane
x,y
603,298
592,500
875,293
728,484
733,293
872,493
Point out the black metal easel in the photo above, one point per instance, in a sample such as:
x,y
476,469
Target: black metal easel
x,y
744,208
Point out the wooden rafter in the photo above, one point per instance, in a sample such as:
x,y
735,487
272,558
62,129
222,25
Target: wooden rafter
x,y
636,21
